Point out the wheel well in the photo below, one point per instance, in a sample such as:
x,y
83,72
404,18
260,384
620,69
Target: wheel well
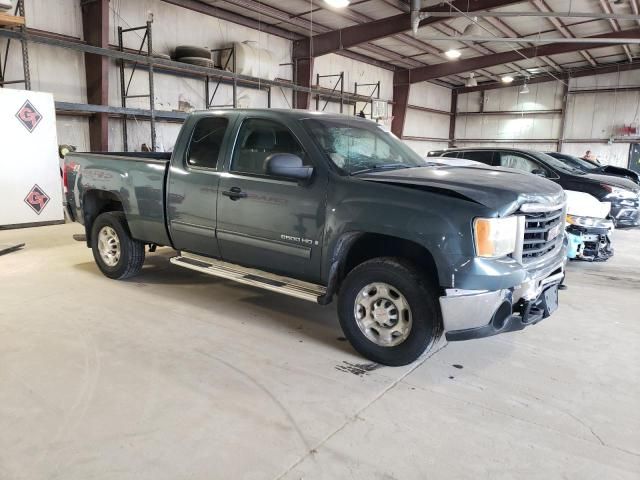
x,y
96,202
371,245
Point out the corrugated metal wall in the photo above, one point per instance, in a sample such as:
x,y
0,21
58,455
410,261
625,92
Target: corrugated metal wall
x,y
431,125
591,117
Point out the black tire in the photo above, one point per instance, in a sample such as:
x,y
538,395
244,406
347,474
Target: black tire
x,y
191,51
202,62
421,296
131,251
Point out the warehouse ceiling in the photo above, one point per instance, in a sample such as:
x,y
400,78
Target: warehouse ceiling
x,y
347,31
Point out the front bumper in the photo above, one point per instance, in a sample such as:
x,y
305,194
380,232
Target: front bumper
x,y
626,212
591,243
469,314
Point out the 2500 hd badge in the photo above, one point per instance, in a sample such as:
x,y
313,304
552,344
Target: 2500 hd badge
x,y
304,241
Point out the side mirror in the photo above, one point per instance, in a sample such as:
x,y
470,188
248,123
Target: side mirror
x,y
287,165
539,172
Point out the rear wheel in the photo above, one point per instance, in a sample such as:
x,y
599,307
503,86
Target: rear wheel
x,y
116,253
388,311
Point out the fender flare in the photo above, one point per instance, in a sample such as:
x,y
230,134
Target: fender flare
x,y
343,245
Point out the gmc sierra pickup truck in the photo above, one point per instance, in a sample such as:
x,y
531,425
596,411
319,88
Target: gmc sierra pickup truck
x,y
315,206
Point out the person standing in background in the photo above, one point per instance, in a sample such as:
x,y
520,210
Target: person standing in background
x,y
590,157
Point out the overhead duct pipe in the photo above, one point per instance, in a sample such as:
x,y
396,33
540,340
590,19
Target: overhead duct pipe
x,y
416,16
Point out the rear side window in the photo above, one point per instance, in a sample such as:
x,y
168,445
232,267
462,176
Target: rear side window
x,y
520,162
206,142
450,154
482,156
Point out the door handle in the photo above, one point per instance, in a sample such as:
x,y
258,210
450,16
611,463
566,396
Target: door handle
x,y
234,193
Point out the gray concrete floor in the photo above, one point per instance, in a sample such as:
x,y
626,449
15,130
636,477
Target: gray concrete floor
x,y
174,375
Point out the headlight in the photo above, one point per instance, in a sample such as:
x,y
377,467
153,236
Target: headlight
x,y
617,192
581,221
495,237
589,221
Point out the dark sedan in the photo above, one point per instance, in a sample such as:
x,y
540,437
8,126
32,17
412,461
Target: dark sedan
x,y
589,167
623,193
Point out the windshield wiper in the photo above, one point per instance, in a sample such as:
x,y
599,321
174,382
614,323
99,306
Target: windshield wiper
x,y
381,166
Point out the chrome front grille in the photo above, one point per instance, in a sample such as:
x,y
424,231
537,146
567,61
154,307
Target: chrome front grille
x,y
543,233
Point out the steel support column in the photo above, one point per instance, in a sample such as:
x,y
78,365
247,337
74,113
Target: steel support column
x,y
400,105
303,71
563,118
95,25
452,118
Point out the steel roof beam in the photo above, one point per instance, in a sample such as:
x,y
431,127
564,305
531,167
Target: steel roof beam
x,y
544,78
542,6
510,32
616,27
207,9
544,14
538,40
336,40
453,68
635,9
312,28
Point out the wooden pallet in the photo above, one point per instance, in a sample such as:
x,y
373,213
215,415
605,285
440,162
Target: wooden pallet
x,y
7,20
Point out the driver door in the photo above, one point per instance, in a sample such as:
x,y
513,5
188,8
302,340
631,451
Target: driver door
x,y
274,224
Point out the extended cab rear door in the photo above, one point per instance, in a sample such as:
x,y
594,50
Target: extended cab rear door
x,y
194,176
266,222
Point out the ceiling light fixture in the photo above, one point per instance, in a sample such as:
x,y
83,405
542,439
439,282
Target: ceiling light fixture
x,y
507,79
337,3
473,29
525,88
471,81
453,54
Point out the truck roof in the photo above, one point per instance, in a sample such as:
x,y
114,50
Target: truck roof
x,y
491,149
282,113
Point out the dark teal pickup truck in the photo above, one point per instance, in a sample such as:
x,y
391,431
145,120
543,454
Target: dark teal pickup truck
x,y
315,206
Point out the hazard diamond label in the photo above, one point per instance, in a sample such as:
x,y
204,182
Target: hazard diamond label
x,y
37,199
29,116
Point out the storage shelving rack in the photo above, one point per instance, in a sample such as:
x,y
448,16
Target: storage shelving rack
x,y
374,91
17,20
144,61
124,85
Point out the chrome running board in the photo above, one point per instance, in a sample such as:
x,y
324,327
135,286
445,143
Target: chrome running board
x,y
249,276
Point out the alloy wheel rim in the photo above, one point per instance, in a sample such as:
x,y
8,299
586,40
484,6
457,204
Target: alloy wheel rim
x,y
109,246
383,314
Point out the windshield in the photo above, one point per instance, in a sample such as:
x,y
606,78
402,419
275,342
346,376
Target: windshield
x,y
358,147
577,162
560,164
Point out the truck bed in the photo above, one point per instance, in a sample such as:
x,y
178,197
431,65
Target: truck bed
x,y
135,179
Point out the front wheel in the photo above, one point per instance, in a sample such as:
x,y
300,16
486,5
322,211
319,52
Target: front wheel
x,y
116,253
388,311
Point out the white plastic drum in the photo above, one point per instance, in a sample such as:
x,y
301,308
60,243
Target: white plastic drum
x,y
252,60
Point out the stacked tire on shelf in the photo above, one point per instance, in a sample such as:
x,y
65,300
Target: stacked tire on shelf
x,y
193,55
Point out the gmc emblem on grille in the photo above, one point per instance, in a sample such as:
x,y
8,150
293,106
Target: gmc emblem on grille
x,y
553,233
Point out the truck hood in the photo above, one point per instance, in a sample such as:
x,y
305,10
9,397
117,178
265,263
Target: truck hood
x,y
500,189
